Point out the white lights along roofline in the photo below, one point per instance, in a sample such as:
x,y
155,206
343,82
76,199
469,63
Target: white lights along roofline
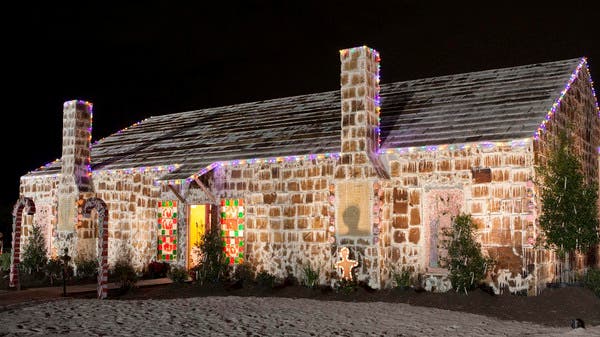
x,y
515,143
123,130
141,169
131,170
236,162
556,103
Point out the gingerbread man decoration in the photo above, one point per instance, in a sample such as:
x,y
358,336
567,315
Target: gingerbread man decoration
x,y
346,264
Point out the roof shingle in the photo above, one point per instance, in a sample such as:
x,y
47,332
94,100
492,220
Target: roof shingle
x,y
499,104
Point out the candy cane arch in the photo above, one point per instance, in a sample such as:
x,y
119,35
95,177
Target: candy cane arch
x,y
100,207
27,205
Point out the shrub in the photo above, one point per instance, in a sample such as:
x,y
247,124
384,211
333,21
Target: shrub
x,y
466,263
265,279
311,276
33,258
86,269
54,268
177,274
345,286
591,280
401,278
125,274
158,269
5,262
242,273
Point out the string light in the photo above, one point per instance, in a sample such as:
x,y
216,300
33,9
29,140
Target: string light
x,y
123,130
142,169
587,67
377,97
89,158
556,103
237,162
517,143
374,54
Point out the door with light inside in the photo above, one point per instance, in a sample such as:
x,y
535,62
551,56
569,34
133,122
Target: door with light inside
x,y
198,224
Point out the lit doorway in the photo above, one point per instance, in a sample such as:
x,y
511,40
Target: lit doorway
x,y
198,224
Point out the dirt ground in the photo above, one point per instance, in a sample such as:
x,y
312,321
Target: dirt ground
x,y
553,307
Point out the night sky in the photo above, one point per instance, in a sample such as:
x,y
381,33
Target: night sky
x,y
134,61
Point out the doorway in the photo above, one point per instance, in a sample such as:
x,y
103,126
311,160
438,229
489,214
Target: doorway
x,y
198,224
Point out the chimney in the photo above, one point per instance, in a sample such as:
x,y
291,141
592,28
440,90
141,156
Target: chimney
x,y
75,171
360,106
77,135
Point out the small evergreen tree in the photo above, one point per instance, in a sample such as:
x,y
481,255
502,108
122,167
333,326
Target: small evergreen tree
x,y
466,263
33,258
212,265
569,218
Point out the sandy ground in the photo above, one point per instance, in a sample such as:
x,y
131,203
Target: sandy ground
x,y
257,316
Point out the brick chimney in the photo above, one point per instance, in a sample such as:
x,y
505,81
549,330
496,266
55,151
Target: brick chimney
x,y
77,134
360,112
359,170
75,175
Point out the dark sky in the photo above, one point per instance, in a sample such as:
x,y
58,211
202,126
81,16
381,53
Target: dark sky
x,y
134,61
